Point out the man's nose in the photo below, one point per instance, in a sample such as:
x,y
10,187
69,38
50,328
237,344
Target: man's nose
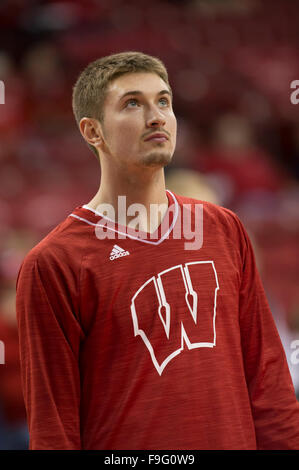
x,y
156,119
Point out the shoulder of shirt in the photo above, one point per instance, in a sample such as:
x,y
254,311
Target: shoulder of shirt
x,y
210,208
223,219
62,243
222,222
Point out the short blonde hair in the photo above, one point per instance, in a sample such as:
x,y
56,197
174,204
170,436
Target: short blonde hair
x,y
89,91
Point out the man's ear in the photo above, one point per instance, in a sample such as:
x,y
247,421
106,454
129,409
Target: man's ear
x,y
91,131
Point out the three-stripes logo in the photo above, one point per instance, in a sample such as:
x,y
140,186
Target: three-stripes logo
x,y
118,252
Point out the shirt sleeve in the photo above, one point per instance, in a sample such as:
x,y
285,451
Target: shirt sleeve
x,y
49,339
275,408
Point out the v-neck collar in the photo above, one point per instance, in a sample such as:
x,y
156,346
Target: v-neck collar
x,y
95,218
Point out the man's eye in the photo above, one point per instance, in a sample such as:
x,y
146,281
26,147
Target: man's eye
x,y
131,101
166,102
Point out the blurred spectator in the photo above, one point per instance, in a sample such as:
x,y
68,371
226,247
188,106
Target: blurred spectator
x,y
14,432
237,161
191,184
15,244
48,93
12,116
189,137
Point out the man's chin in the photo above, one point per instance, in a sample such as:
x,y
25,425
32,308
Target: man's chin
x,y
156,159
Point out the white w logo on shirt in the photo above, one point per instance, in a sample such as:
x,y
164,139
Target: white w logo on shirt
x,y
177,293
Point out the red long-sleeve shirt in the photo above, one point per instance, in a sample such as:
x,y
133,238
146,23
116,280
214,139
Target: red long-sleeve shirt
x,y
134,343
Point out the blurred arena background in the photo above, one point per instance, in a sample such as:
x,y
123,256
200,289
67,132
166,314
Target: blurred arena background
x,y
230,63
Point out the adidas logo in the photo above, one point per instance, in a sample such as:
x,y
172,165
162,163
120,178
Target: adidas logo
x,y
117,252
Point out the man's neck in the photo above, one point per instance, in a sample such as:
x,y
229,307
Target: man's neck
x,y
146,188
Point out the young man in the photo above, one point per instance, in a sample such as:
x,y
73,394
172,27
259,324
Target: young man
x,y
141,339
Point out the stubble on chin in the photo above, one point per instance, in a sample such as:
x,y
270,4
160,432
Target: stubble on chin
x,y
158,159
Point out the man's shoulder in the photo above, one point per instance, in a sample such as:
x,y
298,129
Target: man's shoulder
x,y
211,209
62,243
217,220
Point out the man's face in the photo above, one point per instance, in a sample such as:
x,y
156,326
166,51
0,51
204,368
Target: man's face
x,y
137,106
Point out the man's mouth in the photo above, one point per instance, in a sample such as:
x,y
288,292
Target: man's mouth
x,y
158,137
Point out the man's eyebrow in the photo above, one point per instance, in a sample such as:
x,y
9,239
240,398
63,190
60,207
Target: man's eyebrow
x,y
137,92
